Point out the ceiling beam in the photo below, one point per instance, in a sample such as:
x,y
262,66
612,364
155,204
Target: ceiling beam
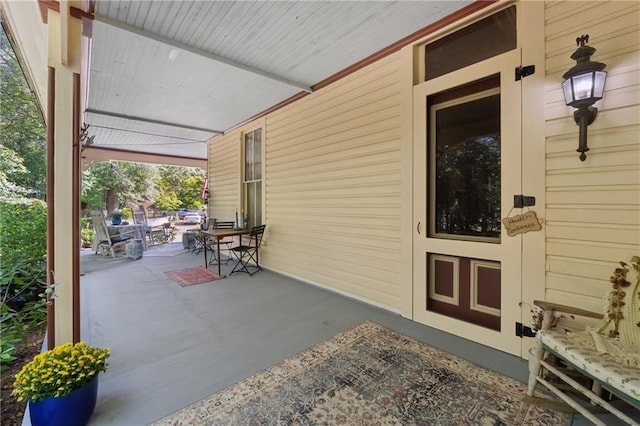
x,y
149,120
94,154
118,129
201,52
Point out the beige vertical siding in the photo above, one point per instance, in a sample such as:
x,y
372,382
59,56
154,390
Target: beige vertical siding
x,y
224,176
593,207
332,186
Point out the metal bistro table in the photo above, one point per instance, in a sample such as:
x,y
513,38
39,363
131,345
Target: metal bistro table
x,y
219,234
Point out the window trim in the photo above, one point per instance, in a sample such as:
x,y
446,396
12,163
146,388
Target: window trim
x,y
244,201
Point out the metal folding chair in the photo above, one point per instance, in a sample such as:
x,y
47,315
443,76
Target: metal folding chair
x,y
221,225
248,254
199,237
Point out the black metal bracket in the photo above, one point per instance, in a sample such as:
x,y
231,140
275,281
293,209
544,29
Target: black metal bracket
x,y
520,201
524,71
524,331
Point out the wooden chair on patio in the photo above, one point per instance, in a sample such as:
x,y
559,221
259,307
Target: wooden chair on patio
x,y
107,241
605,357
152,233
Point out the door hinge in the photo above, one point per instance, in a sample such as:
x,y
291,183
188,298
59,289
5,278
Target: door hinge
x,y
524,71
524,331
520,201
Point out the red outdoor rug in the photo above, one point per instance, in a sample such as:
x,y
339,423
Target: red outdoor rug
x,y
191,276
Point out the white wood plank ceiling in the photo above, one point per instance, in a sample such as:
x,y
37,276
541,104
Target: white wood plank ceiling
x,y
166,76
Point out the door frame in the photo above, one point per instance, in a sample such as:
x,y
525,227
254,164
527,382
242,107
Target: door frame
x,y
508,251
531,39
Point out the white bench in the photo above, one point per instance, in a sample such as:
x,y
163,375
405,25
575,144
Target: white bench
x,y
609,354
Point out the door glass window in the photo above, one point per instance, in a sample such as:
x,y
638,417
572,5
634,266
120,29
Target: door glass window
x,y
464,163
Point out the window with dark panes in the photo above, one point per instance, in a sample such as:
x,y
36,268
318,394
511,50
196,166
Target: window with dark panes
x,y
253,176
464,162
484,39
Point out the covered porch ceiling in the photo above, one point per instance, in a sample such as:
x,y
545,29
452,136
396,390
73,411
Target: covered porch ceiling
x,y
165,77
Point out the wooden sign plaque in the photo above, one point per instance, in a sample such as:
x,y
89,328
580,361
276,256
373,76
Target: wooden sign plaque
x,y
522,223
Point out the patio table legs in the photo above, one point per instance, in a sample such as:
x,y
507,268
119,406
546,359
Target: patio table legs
x,y
206,264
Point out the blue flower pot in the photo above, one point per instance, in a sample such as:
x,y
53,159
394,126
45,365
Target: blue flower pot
x,y
116,220
74,409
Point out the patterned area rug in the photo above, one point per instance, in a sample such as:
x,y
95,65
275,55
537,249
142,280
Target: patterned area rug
x,y
191,276
370,375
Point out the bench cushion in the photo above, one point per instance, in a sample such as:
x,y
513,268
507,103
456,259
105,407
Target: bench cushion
x,y
615,375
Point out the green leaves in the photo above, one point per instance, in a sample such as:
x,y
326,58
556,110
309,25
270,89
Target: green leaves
x,y
22,260
168,187
179,187
12,333
192,191
132,183
22,129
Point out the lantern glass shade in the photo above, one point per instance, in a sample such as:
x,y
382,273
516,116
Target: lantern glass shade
x,y
598,84
585,88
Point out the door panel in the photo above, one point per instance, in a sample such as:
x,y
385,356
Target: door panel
x,y
466,270
465,289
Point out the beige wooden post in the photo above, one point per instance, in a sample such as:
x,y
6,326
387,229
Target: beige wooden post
x,y
65,57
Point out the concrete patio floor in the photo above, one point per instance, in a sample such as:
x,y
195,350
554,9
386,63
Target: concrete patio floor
x,y
172,346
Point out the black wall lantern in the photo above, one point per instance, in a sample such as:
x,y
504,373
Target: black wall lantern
x,y
582,87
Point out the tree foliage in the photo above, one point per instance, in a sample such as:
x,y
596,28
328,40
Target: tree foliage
x,y
167,200
21,125
132,184
468,188
179,187
11,167
191,192
22,218
163,187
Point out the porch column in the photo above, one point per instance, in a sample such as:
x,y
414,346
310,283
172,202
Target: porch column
x,y
65,60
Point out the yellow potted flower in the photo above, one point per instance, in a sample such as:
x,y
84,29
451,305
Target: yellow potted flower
x,y
61,384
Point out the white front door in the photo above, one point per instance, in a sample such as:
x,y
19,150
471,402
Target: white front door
x,y
467,168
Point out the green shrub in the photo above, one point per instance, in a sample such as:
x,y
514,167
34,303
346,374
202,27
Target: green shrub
x,y
15,326
12,334
23,245
86,232
23,230
167,236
